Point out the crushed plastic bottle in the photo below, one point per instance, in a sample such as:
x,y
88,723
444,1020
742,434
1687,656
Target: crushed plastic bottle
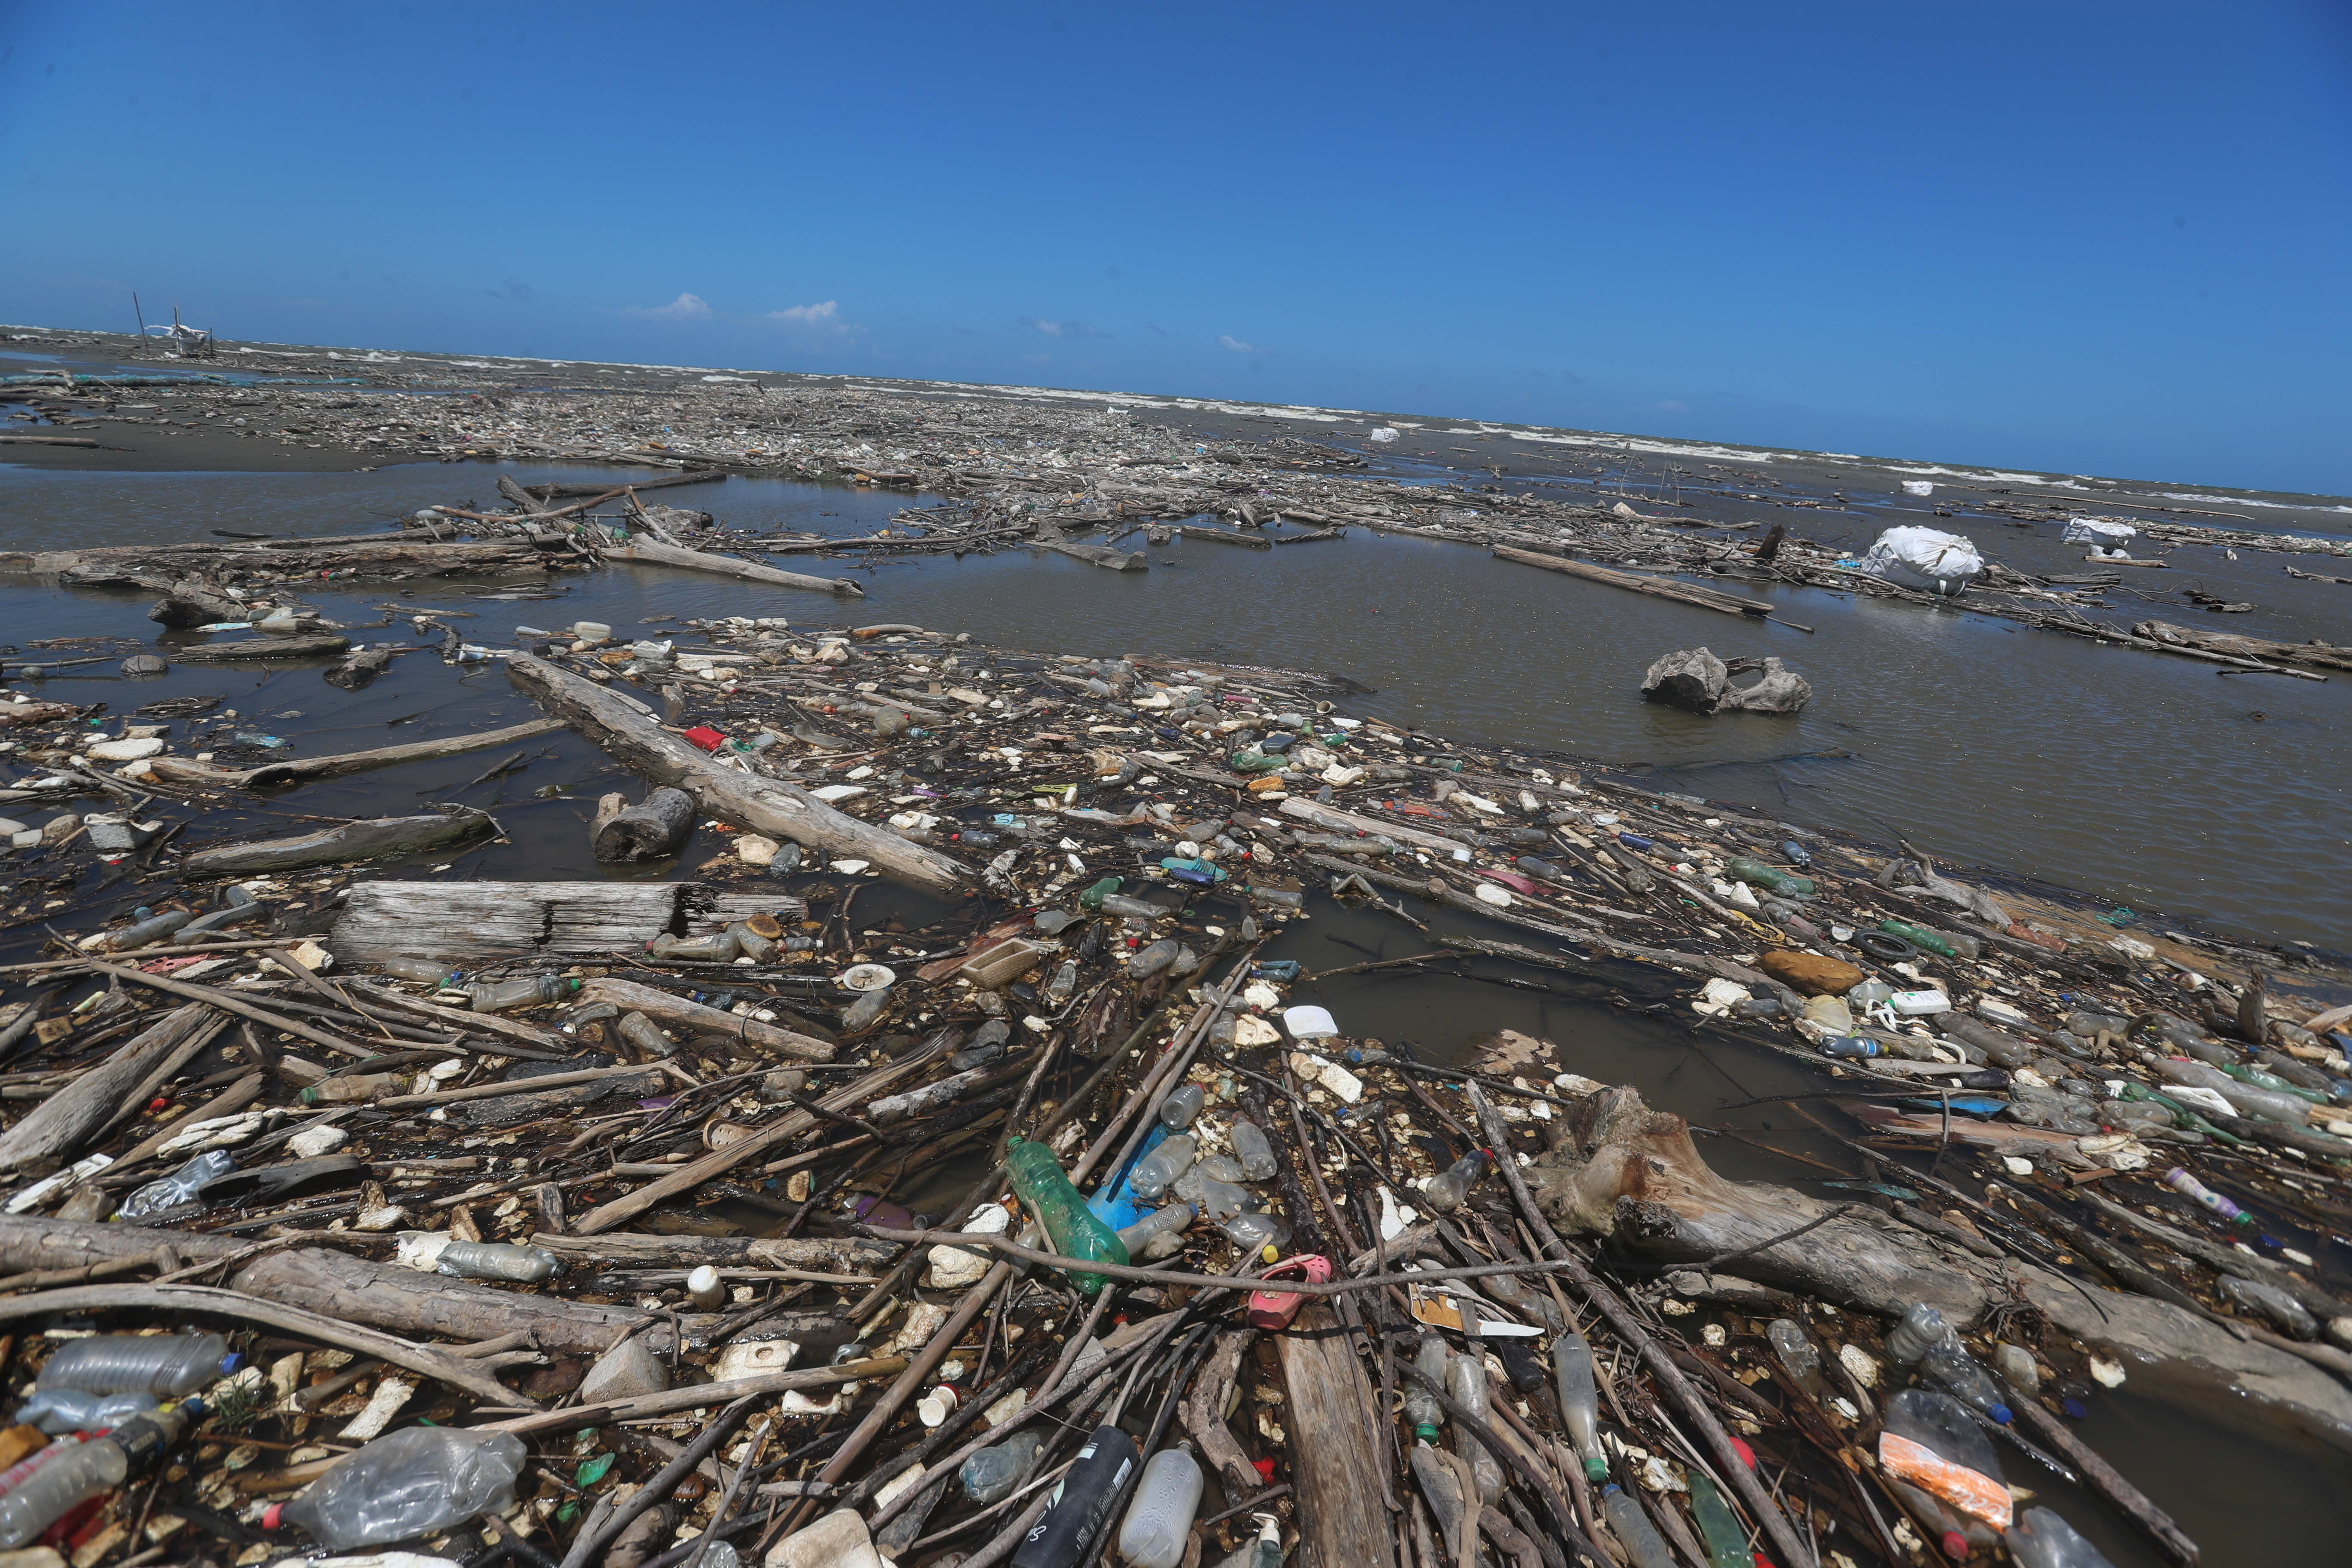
x,y
990,1475
414,1482
184,1185
168,1366
1642,1543
1075,1231
2039,1538
1579,1400
1156,1172
57,1411
1251,1147
1446,1191
61,1478
1159,1519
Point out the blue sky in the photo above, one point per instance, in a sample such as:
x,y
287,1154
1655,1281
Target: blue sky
x,y
2102,238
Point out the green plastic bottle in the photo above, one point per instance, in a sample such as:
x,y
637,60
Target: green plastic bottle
x,y
1093,896
1771,878
1727,1543
1072,1226
1919,936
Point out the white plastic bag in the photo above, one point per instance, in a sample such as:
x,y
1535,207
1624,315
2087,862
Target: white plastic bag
x,y
1925,559
2098,531
1918,488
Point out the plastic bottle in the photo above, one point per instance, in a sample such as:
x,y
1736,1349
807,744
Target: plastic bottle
x,y
1081,1505
1956,1372
1756,874
644,1036
169,1366
508,1260
1138,908
1931,1441
1154,958
430,972
1420,1406
1446,1193
60,1410
1065,982
1726,1543
1176,1111
416,1482
1170,1218
1161,1518
2039,1538
350,1088
718,949
2196,1191
1075,1231
990,1475
1465,1380
1255,1232
863,1012
1268,1552
183,1186
2016,1368
1921,1327
1919,936
1851,1046
1579,1402
751,944
1251,1148
59,1479
1799,1356
1156,1172
1643,1543
148,931
523,991
1219,1201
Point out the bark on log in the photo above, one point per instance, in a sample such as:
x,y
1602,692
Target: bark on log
x,y
365,840
245,650
1341,1519
628,1249
765,805
56,1127
661,1005
360,669
654,828
660,482
299,769
474,921
648,552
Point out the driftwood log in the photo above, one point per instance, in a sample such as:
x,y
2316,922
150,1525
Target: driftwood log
x,y
360,669
54,1128
664,1007
650,553
655,827
296,770
247,650
365,840
1332,1418
478,920
626,730
1656,587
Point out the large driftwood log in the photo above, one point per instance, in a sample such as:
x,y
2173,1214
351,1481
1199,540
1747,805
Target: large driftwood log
x,y
628,1249
296,770
56,1127
631,733
1656,587
655,826
1331,1420
664,1007
477,920
365,840
2241,647
245,650
648,552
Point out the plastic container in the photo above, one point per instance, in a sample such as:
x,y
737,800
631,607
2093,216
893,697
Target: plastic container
x,y
1919,1004
1771,879
523,991
1446,1191
352,1088
61,1478
1310,1023
591,631
168,1366
1156,1172
1161,1518
1177,1111
990,1475
1869,995
1219,1201
1633,1527
1075,1231
2196,1191
1579,1400
2039,1538
1252,1149
1465,1380
1154,958
415,1482
1420,1406
1931,1441
60,1410
184,1186
1950,1367
1065,982
1718,1527
440,1252
1081,1505
1921,1327
430,971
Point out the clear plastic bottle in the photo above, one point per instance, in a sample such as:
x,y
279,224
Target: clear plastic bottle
x,y
1065,983
1081,1505
1446,1191
1951,1366
990,1475
1727,1540
1931,1442
184,1186
442,1252
523,991
1176,1111
718,949
1640,1538
1799,1356
1156,1172
1255,1232
1579,1400
168,1366
1154,958
416,1482
45,1492
1139,908
1055,1204
1218,1201
430,972
1465,1380
60,1410
865,1011
751,944
1161,1518
1170,1219
1420,1406
2039,1538
1921,1327
644,1036
1250,1147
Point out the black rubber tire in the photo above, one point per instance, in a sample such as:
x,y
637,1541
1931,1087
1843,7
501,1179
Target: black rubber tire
x,y
1886,946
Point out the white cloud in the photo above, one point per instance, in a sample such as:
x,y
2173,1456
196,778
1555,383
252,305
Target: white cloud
x,y
685,308
1062,329
1227,341
826,315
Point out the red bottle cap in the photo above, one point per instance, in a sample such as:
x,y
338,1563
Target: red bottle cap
x,y
1956,1546
1747,1454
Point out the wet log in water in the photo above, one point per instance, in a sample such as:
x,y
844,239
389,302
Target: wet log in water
x,y
655,826
365,840
296,770
646,551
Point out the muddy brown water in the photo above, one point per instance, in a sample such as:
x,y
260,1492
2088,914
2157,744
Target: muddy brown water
x,y
2147,780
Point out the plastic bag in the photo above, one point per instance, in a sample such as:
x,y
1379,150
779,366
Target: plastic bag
x,y
1925,559
2098,531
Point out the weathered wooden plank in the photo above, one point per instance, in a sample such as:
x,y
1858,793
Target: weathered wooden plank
x,y
365,840
471,922
1330,1421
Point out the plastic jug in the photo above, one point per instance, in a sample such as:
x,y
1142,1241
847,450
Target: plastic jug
x,y
1161,1518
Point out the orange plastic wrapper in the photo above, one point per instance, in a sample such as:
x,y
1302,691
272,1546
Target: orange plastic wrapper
x,y
1964,1489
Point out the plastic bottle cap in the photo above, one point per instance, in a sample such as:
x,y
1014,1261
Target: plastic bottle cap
x,y
1956,1546
1426,1432
1596,1469
269,1515
2003,1413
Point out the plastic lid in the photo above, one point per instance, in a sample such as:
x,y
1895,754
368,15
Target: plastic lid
x,y
1426,1432
1956,1546
2003,1413
1596,1469
269,1515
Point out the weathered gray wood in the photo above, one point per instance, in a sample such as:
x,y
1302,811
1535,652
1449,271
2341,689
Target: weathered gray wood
x,y
294,770
915,1101
650,553
628,1249
1226,536
766,806
365,840
358,668
1103,555
655,827
1331,1419
477,920
306,645
56,1127
727,907
661,1006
